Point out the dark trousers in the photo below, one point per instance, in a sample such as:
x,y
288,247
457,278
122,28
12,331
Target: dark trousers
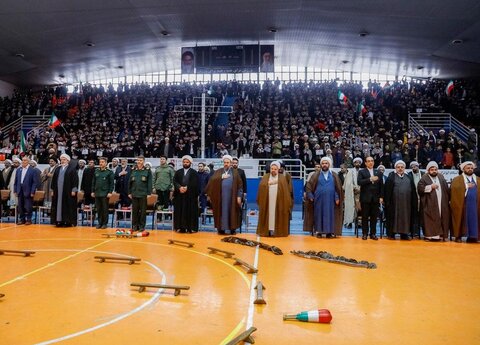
x,y
101,204
163,198
139,213
370,212
25,206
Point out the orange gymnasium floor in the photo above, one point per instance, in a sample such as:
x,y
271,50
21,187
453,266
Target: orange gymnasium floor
x,y
421,293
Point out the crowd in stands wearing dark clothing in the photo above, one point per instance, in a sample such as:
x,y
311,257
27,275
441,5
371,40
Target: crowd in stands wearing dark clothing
x,y
297,120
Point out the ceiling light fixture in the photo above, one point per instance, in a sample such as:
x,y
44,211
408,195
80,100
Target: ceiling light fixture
x,y
165,33
20,55
363,34
457,41
89,44
419,67
120,67
61,76
272,30
345,61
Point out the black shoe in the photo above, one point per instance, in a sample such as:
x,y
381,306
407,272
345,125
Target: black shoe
x,y
103,226
458,239
221,232
374,237
318,235
233,232
471,240
98,226
405,237
329,236
392,238
364,237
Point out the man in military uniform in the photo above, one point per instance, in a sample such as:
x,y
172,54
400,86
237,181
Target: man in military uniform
x,y
139,187
102,188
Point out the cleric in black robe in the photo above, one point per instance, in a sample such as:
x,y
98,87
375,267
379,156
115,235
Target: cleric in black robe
x,y
87,183
400,199
185,197
65,188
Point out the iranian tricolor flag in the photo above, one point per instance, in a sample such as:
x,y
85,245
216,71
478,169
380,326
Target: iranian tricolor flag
x,y
342,98
449,88
361,108
23,143
54,121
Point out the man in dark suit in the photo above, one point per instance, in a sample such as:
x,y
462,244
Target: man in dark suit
x,y
243,177
371,195
26,182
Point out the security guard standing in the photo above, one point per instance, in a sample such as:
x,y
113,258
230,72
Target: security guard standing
x,y
139,187
102,187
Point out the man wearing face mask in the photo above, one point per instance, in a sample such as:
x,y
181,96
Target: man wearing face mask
x,y
434,201
185,197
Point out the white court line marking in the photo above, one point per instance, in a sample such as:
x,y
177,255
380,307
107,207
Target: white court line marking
x,y
251,306
152,300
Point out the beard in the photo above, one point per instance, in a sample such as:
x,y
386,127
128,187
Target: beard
x,y
186,165
434,174
325,168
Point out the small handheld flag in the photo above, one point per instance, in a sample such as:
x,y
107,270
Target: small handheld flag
x,y
342,98
449,88
54,121
318,316
361,108
23,143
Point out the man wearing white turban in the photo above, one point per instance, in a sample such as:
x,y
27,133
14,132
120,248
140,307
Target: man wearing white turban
x,y
274,203
399,199
325,196
224,189
434,204
65,188
465,204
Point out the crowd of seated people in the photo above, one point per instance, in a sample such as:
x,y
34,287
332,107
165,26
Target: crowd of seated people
x,y
297,120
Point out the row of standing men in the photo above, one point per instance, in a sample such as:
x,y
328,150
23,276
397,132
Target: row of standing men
x,y
409,201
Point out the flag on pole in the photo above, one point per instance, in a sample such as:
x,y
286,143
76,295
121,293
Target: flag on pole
x,y
361,109
342,98
23,143
449,88
54,121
